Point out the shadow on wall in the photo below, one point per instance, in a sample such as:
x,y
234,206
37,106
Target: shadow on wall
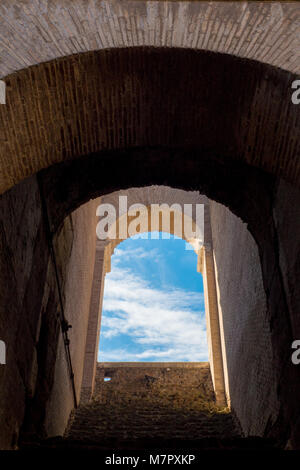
x,y
35,357
250,376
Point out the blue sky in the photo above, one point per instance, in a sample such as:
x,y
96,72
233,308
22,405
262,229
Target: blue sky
x,y
153,306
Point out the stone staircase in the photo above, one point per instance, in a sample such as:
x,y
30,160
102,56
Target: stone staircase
x,y
140,419
148,407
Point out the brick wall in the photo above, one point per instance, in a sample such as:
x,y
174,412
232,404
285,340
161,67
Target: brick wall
x,y
246,338
35,391
55,29
78,280
28,311
145,401
28,318
149,97
181,384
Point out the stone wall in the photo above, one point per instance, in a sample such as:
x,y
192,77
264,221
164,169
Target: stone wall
x,y
286,215
28,306
257,319
151,401
185,385
77,290
35,392
140,104
245,330
59,28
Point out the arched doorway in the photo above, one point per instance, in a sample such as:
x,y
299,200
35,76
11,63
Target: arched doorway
x,y
228,156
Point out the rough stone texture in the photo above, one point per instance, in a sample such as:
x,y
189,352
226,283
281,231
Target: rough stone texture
x,y
207,268
287,220
28,307
249,193
182,384
189,119
251,381
259,223
78,280
159,196
286,213
94,324
164,209
34,32
156,195
151,401
35,385
49,399
224,106
213,326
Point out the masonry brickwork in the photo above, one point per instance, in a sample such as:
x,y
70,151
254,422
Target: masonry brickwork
x,y
77,288
151,401
36,394
161,196
142,102
245,330
191,95
262,30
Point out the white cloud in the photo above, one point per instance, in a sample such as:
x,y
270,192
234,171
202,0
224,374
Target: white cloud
x,y
163,322
167,355
137,253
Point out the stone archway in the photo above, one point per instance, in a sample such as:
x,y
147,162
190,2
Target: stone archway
x,y
103,121
253,195
43,32
162,197
149,97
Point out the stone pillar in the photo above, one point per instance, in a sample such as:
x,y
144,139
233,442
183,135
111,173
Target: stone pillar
x,y
212,312
92,340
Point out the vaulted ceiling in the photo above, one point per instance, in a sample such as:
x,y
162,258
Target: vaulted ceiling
x,y
35,31
91,76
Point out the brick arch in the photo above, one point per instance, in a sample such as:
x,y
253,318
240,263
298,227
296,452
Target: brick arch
x,y
212,121
250,193
38,32
171,203
221,105
161,196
